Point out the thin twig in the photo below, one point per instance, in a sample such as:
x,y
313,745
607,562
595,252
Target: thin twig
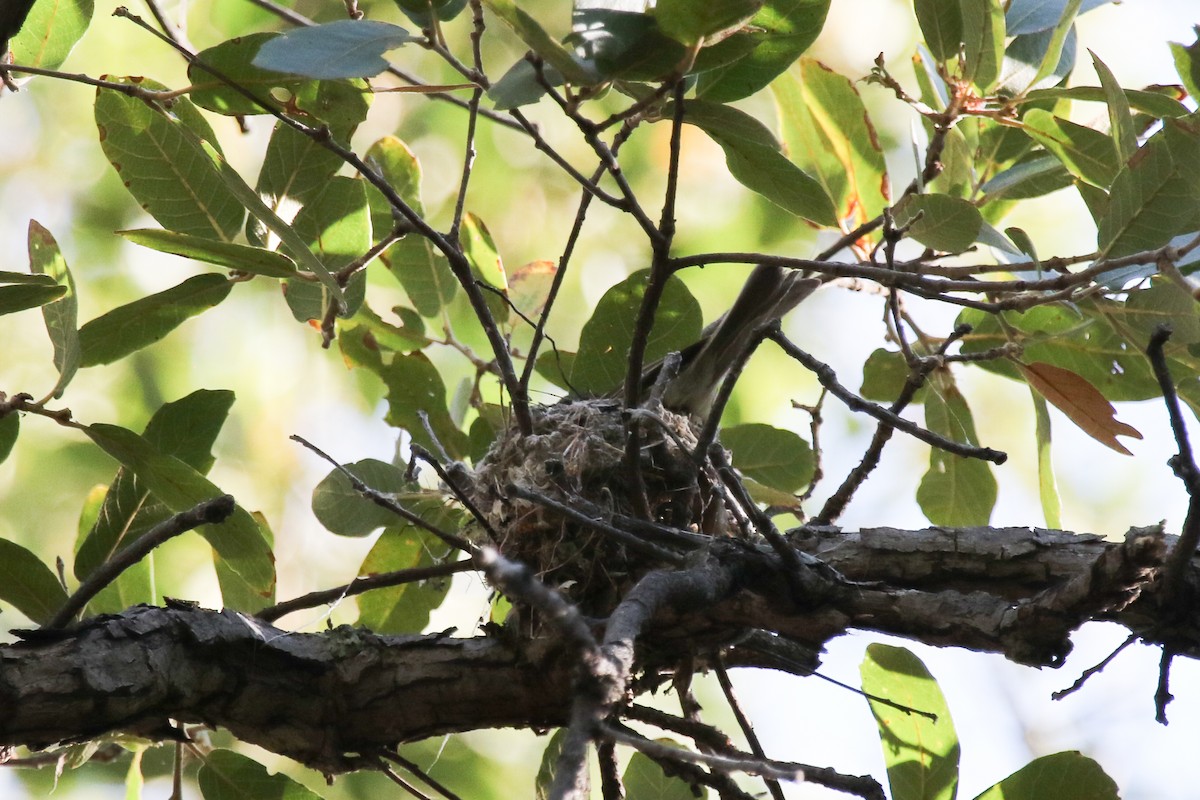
x,y
209,512
430,781
459,492
1182,463
828,379
837,502
744,723
362,584
129,89
1093,670
625,537
383,501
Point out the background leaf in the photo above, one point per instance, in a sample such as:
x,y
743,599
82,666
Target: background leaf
x,y
240,257
50,32
344,511
406,608
946,223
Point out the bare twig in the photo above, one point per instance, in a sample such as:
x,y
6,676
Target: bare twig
x,y
627,538
384,501
744,723
363,584
208,512
828,379
1183,464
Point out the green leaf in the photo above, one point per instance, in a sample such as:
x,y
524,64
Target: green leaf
x,y
233,59
240,257
644,780
1027,56
184,429
226,775
425,276
1187,63
143,322
344,48
406,608
956,491
603,356
1069,775
1055,45
540,42
336,226
1120,118
947,223
1079,338
10,427
295,167
1153,197
1085,152
1152,103
289,238
28,295
50,32
754,158
163,165
521,85
481,252
1047,486
1033,175
884,375
983,40
424,12
545,774
238,540
62,315
774,457
830,136
404,338
28,584
941,23
777,35
343,510
921,754
689,23
618,44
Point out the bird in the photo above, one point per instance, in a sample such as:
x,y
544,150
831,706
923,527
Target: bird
x,y
769,293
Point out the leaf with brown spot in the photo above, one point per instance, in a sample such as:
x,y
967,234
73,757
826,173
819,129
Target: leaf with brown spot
x,y
1082,402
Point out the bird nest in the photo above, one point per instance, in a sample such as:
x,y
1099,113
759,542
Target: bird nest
x,y
575,457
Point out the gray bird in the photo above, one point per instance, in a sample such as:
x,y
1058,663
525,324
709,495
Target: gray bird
x,y
769,293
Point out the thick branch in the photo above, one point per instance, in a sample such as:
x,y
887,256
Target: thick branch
x,y
329,699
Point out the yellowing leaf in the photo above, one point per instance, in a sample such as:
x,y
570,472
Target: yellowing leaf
x,y
1083,404
529,286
